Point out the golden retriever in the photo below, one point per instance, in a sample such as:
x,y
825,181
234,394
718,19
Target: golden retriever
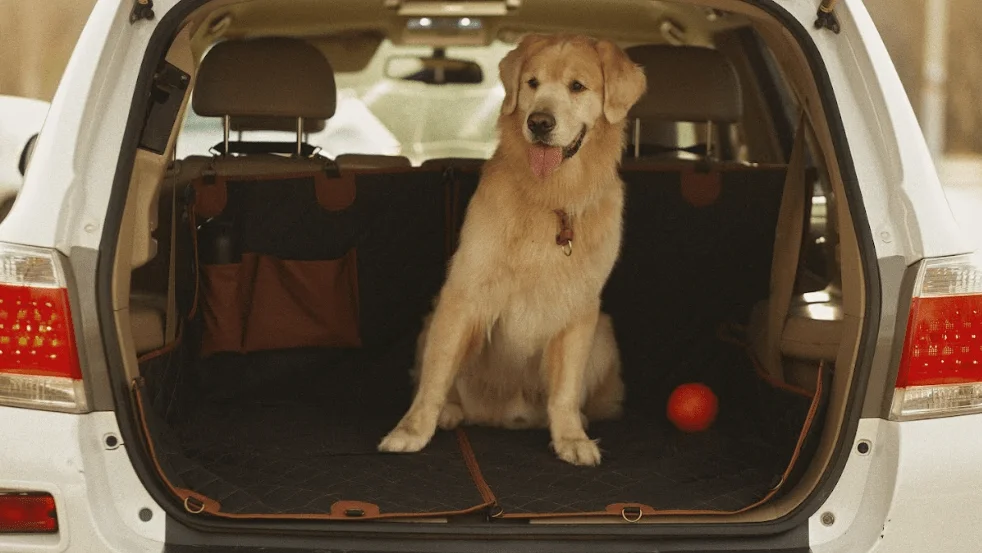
x,y
517,338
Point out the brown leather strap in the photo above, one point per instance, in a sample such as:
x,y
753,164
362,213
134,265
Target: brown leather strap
x,y
210,195
334,193
167,348
354,509
700,188
474,468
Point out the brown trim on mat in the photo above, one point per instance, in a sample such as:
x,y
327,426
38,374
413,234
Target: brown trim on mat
x,y
354,509
474,468
725,335
366,516
206,504
167,348
645,510
196,503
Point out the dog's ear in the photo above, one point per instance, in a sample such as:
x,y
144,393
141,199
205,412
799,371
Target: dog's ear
x,y
510,69
624,81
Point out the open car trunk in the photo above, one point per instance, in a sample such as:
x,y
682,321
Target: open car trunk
x,y
302,296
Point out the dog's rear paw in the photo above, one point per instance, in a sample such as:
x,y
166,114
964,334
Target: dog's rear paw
x,y
450,416
401,440
583,451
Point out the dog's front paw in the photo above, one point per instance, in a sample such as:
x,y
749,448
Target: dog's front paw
x,y
403,440
450,416
580,451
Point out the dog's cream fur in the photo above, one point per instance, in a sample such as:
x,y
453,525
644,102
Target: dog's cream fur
x,y
517,338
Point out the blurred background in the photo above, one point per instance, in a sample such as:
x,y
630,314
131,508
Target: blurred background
x,y
935,45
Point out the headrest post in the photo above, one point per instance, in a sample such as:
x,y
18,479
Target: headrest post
x,y
225,128
299,135
637,137
710,147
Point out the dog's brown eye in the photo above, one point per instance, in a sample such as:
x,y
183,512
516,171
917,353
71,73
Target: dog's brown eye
x,y
576,86
533,83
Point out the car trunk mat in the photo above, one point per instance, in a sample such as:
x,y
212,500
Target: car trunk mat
x,y
261,445
292,433
646,461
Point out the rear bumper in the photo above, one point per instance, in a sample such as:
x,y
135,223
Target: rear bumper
x,y
919,489
937,501
97,495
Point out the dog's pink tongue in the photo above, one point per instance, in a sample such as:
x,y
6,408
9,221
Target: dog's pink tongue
x,y
544,159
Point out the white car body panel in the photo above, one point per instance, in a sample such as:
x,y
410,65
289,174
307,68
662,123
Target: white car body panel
x,y
20,119
916,491
97,493
66,189
919,490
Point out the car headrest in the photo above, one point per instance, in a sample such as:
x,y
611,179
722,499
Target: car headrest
x,y
687,83
265,77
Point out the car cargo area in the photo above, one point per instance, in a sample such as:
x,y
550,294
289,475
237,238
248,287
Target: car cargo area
x,y
258,421
275,322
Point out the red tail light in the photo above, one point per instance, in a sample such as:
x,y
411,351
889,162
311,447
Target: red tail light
x,y
941,365
39,365
27,513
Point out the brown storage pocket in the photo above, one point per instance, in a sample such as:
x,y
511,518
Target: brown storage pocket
x,y
225,293
267,303
303,304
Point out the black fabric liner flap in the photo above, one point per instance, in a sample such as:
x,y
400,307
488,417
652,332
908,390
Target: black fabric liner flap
x,y
258,447
293,432
298,448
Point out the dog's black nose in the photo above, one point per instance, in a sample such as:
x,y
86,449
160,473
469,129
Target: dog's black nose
x,y
541,123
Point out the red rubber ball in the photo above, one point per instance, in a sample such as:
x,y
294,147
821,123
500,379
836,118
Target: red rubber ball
x,y
692,407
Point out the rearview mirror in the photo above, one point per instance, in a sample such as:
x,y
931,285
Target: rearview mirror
x,y
433,70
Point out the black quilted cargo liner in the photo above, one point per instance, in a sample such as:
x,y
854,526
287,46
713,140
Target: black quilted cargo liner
x,y
646,460
259,445
293,433
262,445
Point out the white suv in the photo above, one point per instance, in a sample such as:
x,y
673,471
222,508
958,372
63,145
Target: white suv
x,y
238,212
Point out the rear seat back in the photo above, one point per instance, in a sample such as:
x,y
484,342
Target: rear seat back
x,y
319,260
699,233
303,252
694,243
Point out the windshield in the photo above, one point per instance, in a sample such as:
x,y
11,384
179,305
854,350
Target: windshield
x,y
380,115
